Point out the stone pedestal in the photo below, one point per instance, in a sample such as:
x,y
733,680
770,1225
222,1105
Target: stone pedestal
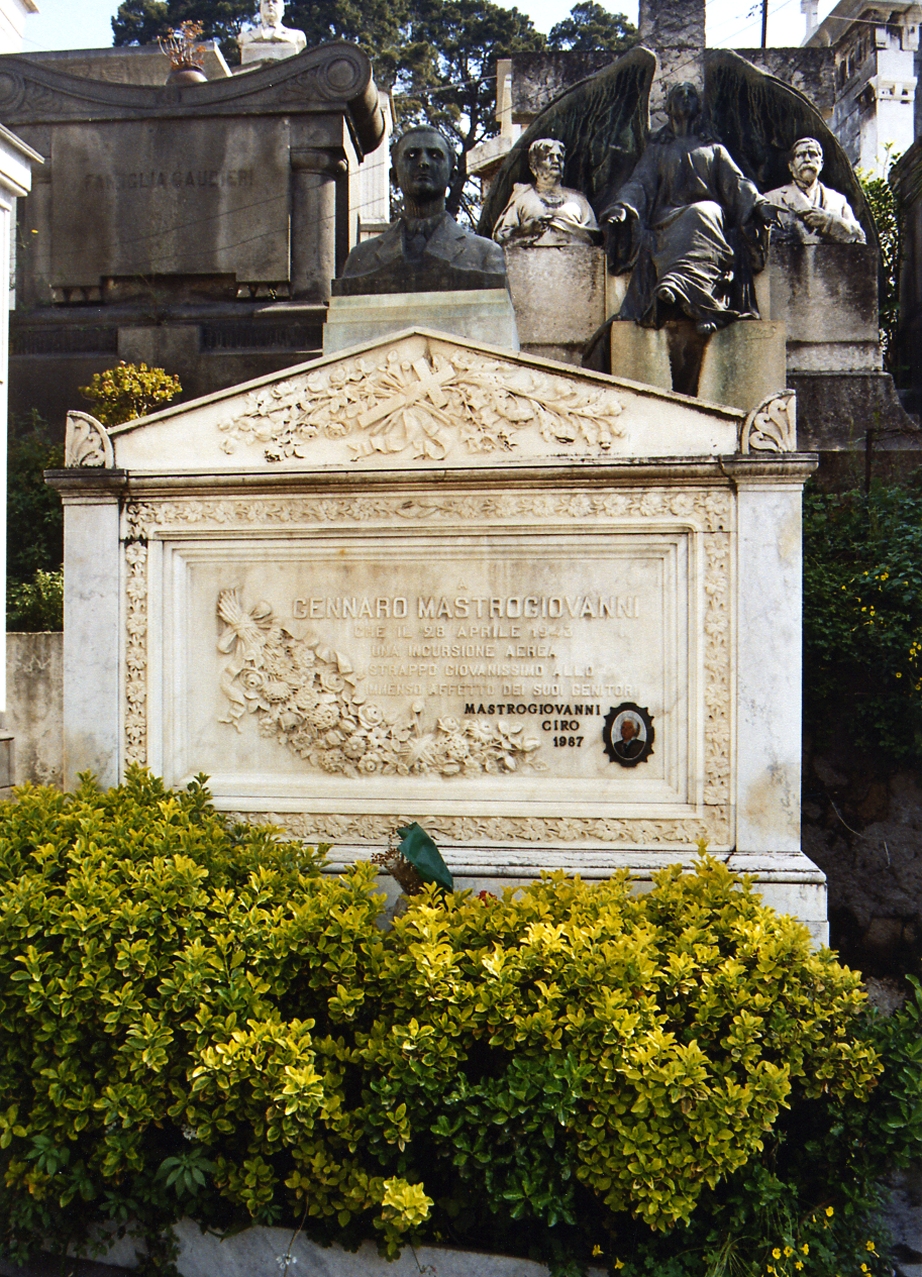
x,y
826,297
559,298
743,363
483,314
739,365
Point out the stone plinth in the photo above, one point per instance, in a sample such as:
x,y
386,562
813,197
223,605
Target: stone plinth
x,y
743,363
738,365
429,580
826,297
559,296
483,314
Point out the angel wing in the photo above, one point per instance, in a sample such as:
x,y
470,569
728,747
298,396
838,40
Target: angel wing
x,y
602,121
759,118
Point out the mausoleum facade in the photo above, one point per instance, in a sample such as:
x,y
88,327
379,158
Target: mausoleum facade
x,y
431,580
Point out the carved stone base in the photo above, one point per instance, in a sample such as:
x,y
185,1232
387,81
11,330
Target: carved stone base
x,y
483,314
788,882
739,366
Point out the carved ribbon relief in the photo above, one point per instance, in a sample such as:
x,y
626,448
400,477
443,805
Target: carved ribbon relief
x,y
309,698
425,408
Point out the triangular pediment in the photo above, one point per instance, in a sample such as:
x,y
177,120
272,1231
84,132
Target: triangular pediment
x,y
423,399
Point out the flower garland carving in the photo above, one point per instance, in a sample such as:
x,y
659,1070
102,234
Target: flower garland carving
x,y
308,697
136,653
423,407
709,509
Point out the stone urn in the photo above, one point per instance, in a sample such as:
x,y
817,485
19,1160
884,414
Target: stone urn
x,y
187,75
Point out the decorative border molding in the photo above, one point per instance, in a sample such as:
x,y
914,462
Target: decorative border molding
x,y
704,509
466,832
136,621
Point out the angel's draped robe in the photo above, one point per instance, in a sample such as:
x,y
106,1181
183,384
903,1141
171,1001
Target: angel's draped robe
x,y
693,206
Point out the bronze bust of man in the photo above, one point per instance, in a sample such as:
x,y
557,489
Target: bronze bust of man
x,y
425,250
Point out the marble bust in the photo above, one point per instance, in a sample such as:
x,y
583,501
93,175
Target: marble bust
x,y
425,249
809,212
269,40
544,213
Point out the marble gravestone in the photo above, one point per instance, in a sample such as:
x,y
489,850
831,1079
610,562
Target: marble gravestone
x,y
552,616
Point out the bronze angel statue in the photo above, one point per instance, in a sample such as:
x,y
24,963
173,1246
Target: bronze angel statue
x,y
683,210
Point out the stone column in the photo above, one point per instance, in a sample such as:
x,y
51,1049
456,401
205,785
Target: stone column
x,y
674,30
92,629
769,653
313,221
768,688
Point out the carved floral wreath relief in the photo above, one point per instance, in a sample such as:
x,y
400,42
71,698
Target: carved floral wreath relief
x,y
421,406
309,698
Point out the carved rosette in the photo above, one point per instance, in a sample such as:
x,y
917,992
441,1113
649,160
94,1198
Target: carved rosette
x,y
87,442
706,511
772,426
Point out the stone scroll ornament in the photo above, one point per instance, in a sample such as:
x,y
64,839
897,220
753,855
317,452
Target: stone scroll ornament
x,y
771,426
87,442
423,407
309,698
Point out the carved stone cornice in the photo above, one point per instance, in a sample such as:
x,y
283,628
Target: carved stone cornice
x,y
334,78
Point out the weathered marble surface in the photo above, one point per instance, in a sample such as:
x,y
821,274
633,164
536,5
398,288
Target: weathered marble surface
x,y
559,297
482,314
411,582
34,706
737,366
826,297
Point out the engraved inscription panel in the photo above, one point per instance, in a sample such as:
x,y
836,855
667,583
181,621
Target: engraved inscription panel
x,y
367,670
150,198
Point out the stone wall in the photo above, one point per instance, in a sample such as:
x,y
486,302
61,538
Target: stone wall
x,y
35,706
191,227
809,71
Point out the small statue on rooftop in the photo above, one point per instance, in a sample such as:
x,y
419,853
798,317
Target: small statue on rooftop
x,y
424,250
544,213
270,40
811,213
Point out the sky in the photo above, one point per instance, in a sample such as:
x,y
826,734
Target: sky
x,y
84,24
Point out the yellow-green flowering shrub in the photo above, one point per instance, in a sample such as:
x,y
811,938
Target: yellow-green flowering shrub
x,y
128,391
194,1019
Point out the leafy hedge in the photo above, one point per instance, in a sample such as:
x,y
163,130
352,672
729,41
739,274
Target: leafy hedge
x,y
863,620
195,1020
